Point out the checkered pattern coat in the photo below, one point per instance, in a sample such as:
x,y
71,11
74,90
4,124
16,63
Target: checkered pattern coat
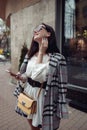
x,y
55,105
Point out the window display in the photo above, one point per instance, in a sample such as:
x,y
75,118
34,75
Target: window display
x,y
75,41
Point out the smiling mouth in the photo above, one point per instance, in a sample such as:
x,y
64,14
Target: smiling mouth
x,y
35,35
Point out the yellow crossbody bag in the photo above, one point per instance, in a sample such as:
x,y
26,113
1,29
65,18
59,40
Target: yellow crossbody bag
x,y
26,104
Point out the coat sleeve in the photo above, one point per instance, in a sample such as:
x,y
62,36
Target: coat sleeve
x,y
62,90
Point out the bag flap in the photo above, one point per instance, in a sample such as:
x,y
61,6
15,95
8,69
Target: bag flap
x,y
25,101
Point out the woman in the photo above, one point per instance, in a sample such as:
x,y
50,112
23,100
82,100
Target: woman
x,y
44,64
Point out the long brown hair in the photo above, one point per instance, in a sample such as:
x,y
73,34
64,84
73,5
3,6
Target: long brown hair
x,y
52,43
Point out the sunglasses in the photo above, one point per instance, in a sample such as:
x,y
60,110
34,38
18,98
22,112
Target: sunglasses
x,y
40,27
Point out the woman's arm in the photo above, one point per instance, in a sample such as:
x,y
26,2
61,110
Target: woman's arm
x,y
40,57
42,50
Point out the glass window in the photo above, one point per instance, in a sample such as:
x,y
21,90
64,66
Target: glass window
x,y
75,41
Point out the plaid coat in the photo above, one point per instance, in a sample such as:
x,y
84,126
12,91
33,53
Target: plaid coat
x,y
55,105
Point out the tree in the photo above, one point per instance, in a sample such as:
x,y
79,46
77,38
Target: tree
x,y
24,51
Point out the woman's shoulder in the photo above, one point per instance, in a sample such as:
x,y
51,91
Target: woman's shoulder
x,y
59,56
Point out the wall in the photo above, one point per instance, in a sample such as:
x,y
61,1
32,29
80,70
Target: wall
x,y
2,9
13,6
24,21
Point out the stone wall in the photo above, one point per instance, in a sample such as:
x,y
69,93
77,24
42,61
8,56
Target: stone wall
x,y
22,24
13,6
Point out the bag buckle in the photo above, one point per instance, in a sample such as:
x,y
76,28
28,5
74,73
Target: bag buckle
x,y
23,103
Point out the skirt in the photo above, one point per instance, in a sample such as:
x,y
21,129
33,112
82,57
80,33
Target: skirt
x,y
32,92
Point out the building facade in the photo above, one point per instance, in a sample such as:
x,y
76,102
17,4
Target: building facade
x,y
74,48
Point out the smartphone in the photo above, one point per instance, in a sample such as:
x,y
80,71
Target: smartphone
x,y
11,73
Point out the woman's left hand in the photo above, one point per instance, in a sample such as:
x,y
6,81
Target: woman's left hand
x,y
20,77
44,45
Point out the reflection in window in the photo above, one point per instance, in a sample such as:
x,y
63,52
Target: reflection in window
x,y
75,45
69,18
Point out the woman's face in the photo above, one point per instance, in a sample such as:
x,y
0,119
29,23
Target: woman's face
x,y
40,32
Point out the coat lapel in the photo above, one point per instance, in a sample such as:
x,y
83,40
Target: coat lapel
x,y
52,67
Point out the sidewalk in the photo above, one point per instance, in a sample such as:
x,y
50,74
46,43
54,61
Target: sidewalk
x,y
9,120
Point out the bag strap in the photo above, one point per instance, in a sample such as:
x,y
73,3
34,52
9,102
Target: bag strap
x,y
38,93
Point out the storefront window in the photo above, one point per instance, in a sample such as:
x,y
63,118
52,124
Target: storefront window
x,y
75,41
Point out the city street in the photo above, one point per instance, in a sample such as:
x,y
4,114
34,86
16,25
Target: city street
x,y
9,120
